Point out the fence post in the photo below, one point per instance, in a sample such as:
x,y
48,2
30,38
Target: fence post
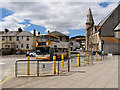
x,y
16,69
54,64
96,56
28,65
62,60
38,68
85,58
78,59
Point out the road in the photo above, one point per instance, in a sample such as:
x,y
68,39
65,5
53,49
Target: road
x,y
102,74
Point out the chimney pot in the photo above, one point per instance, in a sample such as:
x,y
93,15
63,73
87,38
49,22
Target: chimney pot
x,y
38,33
34,32
6,30
20,30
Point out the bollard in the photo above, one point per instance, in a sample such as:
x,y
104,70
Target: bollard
x,y
62,60
28,65
78,59
85,56
96,56
54,64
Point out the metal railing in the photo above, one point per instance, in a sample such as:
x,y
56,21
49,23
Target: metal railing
x,y
51,67
38,67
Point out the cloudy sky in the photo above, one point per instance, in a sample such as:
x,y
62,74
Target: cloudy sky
x,y
66,17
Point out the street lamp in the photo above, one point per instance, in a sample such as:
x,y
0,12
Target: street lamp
x,y
91,45
69,54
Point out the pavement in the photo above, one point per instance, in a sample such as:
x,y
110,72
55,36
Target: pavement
x,y
101,74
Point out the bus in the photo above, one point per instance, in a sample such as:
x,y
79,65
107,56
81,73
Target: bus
x,y
50,45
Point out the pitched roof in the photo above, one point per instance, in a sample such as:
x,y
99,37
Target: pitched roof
x,y
105,19
56,33
108,16
10,33
17,33
24,33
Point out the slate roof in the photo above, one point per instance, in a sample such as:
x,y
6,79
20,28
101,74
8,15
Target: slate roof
x,y
105,19
24,33
10,33
16,33
56,33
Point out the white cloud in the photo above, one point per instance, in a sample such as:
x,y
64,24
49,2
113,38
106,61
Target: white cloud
x,y
66,32
33,32
57,16
11,22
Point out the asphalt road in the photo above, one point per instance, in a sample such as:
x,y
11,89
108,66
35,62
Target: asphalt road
x,y
8,70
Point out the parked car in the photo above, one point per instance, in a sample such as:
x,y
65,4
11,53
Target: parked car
x,y
32,54
19,52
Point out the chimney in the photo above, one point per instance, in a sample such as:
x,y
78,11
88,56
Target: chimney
x,y
6,30
38,33
34,32
20,30
48,32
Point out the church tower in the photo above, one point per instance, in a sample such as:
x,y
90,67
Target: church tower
x,y
89,25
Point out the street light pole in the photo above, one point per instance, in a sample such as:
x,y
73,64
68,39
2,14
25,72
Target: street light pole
x,y
91,44
69,55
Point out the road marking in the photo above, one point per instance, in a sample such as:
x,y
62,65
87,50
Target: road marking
x,y
4,80
6,72
2,63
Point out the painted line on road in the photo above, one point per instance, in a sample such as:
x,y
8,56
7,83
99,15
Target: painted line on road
x,y
2,63
6,72
4,80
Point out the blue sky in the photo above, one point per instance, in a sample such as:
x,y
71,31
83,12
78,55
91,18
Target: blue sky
x,y
42,29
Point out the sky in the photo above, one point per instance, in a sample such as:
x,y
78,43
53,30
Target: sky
x,y
66,17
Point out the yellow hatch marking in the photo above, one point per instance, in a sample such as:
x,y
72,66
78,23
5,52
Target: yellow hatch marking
x,y
4,80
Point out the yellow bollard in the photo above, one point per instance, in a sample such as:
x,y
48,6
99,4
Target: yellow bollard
x,y
85,56
28,65
62,57
54,64
78,59
96,56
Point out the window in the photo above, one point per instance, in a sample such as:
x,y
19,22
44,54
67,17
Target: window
x,y
55,39
7,46
17,38
10,38
42,38
3,38
27,46
21,45
22,37
27,38
17,46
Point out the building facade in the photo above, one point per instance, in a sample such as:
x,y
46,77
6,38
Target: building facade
x,y
80,40
12,41
103,37
63,37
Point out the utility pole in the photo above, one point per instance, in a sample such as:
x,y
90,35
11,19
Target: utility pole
x,y
91,44
69,54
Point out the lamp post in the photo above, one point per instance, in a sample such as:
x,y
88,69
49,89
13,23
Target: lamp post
x,y
69,54
91,44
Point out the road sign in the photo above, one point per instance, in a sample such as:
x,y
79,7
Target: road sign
x,y
46,66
